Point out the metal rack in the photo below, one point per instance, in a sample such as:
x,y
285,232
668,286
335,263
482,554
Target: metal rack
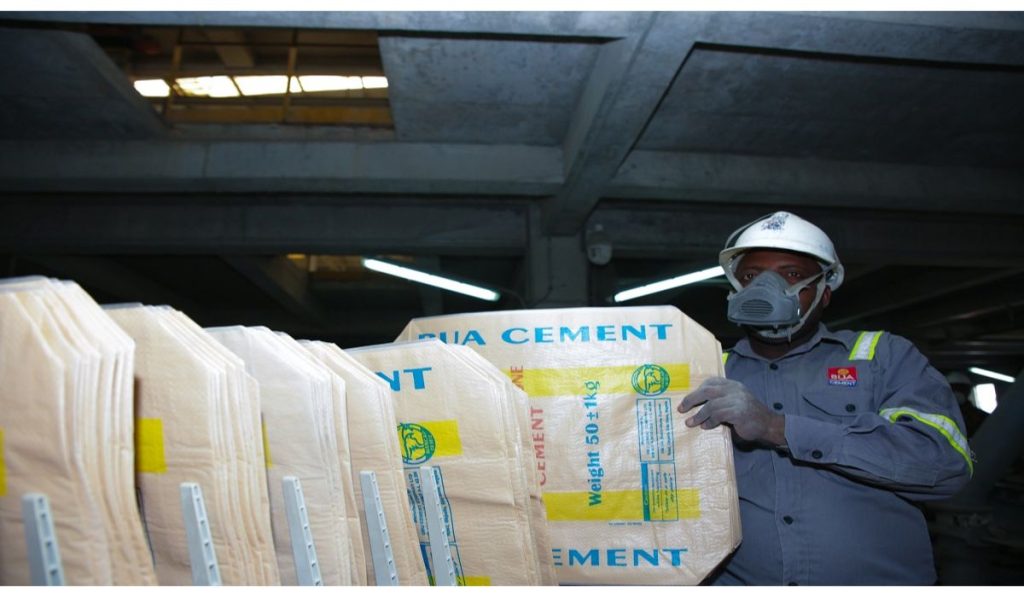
x,y
47,570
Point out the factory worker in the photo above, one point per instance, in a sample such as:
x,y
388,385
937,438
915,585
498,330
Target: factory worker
x,y
837,433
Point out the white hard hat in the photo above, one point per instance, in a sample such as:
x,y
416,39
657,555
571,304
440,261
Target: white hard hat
x,y
782,230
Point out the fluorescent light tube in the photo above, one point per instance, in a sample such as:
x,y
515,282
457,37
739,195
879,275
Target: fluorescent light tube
x,y
992,374
676,282
430,279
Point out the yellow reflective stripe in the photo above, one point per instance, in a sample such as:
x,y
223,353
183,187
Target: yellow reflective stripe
x,y
645,379
940,423
725,357
864,347
3,467
626,505
149,446
474,581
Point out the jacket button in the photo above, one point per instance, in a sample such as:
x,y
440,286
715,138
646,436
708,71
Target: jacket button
x,y
773,366
816,454
777,406
787,519
850,408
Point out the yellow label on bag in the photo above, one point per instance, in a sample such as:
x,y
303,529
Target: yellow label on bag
x,y
266,445
644,379
3,466
426,439
149,446
630,505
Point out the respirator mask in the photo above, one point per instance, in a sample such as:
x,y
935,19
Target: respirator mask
x,y
771,306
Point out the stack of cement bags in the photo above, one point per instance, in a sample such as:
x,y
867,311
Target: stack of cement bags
x,y
632,495
66,432
374,447
198,421
306,428
457,415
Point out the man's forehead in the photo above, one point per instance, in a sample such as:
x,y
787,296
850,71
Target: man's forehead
x,y
777,258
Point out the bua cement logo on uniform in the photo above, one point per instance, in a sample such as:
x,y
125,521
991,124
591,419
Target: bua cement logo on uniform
x,y
842,376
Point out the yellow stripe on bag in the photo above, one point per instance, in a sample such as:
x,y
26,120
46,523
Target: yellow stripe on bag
x,y
3,466
475,581
428,439
644,379
149,446
266,446
627,505
446,437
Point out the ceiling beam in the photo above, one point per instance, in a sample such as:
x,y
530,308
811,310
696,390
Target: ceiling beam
x,y
577,24
640,230
282,281
204,224
628,81
900,36
725,178
111,278
289,166
231,48
871,299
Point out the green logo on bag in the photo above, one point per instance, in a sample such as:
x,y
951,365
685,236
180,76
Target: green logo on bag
x,y
418,443
650,380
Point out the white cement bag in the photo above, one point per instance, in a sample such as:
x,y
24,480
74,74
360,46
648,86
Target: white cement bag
x,y
66,432
632,495
298,412
451,417
189,418
373,442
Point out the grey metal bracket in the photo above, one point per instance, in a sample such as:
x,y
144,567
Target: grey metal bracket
x,y
43,552
384,570
440,549
205,571
307,567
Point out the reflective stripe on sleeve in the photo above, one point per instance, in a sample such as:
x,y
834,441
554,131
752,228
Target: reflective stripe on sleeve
x,y
864,347
725,357
940,423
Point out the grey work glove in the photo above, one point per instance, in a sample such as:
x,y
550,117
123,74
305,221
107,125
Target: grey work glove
x,y
728,402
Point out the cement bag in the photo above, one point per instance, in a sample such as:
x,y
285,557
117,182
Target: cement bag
x,y
516,406
632,495
243,433
451,417
188,422
348,482
298,414
62,398
373,442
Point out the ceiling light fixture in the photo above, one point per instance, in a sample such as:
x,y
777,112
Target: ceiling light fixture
x,y
152,87
683,280
430,279
992,374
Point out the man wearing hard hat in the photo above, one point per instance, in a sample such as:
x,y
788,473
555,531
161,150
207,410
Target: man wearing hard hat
x,y
837,433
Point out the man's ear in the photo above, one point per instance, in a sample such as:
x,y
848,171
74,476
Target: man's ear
x,y
826,297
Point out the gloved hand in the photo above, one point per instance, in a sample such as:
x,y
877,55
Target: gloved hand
x,y
730,403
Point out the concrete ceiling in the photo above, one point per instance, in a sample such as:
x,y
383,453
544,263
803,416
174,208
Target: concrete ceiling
x,y
901,134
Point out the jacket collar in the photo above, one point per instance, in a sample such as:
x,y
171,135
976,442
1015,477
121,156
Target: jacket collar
x,y
823,334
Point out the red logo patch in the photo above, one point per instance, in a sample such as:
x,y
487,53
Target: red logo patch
x,y
842,376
